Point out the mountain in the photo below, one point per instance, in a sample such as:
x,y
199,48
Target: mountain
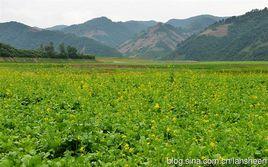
x,y
108,32
24,37
138,26
194,24
57,27
237,38
156,42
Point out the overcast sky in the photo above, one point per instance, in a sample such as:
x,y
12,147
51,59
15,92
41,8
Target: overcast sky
x,y
45,13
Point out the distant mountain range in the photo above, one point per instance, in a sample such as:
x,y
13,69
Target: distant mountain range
x,y
194,24
108,32
236,38
156,42
25,37
203,37
101,36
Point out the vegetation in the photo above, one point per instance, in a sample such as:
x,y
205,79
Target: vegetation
x,y
108,32
8,51
45,51
132,114
24,37
194,24
246,39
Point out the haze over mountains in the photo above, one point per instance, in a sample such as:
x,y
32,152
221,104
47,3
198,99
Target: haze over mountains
x,y
203,37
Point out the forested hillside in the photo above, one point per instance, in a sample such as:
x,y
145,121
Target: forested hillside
x,y
237,38
194,24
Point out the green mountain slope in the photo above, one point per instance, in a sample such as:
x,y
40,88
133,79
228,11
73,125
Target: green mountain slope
x,y
108,32
237,38
156,42
194,24
24,37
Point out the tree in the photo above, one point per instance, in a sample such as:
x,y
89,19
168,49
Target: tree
x,y
50,50
72,52
62,50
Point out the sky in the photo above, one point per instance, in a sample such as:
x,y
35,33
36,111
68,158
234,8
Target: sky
x,y
46,13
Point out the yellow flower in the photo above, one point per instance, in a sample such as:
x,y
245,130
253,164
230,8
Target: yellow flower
x,y
157,106
168,129
131,150
220,158
203,158
126,147
82,149
254,97
212,144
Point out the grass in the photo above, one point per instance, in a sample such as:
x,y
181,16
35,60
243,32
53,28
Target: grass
x,y
119,112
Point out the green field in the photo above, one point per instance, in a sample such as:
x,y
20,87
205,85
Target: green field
x,y
127,112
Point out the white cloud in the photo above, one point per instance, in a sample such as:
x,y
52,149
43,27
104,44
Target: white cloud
x,y
44,13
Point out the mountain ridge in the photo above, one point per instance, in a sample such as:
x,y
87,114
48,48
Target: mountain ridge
x,y
194,24
23,36
229,39
156,42
106,31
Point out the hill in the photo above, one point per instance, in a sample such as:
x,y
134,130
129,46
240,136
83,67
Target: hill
x,y
237,38
138,26
108,32
24,37
156,42
194,24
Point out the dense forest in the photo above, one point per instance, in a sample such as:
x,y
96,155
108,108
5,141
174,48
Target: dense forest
x,y
44,51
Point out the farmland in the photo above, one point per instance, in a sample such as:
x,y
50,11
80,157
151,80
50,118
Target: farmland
x,y
121,112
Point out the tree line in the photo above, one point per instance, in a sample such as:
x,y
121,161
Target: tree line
x,y
44,51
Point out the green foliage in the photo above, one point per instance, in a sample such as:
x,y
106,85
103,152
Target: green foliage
x,y
8,51
44,51
62,50
50,50
61,115
71,52
247,39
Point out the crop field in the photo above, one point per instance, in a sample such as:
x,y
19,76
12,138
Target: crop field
x,y
126,113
